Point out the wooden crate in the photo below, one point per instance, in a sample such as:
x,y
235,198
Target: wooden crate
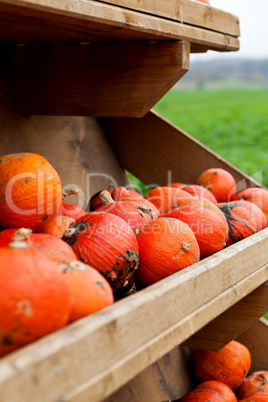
x,y
125,351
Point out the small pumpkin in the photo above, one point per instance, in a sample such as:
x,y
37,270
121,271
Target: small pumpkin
x,y
255,211
89,290
46,244
230,364
34,295
256,195
164,197
166,246
117,194
256,398
135,213
251,384
198,395
57,225
106,242
220,182
200,191
30,191
176,185
223,389
70,210
240,221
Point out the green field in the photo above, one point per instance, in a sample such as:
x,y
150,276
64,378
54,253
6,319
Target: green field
x,y
233,123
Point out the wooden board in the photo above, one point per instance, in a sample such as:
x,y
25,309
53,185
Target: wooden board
x,y
93,79
75,146
187,12
70,365
158,152
66,20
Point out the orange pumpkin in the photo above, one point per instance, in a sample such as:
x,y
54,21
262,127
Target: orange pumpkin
x,y
220,182
209,228
223,389
166,246
256,195
164,197
50,246
176,185
198,395
30,191
255,211
256,398
229,365
89,290
200,191
251,384
34,296
241,222
57,225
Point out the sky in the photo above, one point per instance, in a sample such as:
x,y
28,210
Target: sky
x,y
253,17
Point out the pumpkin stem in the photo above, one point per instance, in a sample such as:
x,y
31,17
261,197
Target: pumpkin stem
x,y
18,241
106,197
69,232
69,191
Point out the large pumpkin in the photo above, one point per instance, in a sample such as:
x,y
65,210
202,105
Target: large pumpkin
x,y
30,191
229,365
166,246
106,242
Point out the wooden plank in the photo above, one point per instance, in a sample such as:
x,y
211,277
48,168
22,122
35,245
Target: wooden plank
x,y
93,79
29,20
187,12
233,322
76,146
70,365
158,152
255,338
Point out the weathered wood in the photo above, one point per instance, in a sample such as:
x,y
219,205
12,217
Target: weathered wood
x,y
187,12
158,152
95,79
255,338
58,20
75,146
233,322
70,365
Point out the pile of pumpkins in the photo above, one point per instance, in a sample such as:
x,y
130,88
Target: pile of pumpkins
x,y
59,263
222,376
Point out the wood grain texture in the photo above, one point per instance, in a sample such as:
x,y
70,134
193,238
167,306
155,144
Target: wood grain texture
x,y
187,12
75,146
233,322
158,152
99,354
96,79
57,20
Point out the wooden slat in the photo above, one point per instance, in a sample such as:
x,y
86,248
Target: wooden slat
x,y
93,79
233,322
70,365
28,20
75,146
158,152
187,12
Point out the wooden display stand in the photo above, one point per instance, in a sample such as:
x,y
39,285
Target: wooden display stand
x,y
61,62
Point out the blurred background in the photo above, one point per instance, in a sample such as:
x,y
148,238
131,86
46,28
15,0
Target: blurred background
x,y
223,100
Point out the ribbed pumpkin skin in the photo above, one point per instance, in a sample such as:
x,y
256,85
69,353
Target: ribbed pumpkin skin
x,y
166,246
135,213
200,191
205,395
240,221
202,203
89,290
124,194
34,298
164,197
208,227
256,195
251,384
223,389
46,244
229,365
70,210
175,184
220,182
255,211
106,242
30,191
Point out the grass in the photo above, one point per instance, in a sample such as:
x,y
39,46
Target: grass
x,y
233,123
